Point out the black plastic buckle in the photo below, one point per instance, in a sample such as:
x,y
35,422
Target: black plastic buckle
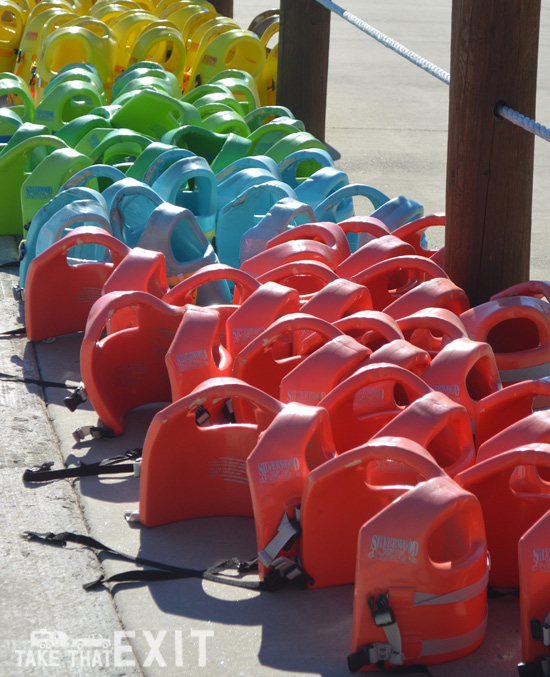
x,y
95,432
358,660
46,537
75,399
133,453
382,614
228,412
538,628
273,580
248,565
45,467
202,415
285,570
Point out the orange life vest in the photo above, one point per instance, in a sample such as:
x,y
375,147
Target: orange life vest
x,y
441,426
408,271
379,249
431,328
59,296
360,405
307,277
518,330
403,354
318,373
438,292
421,581
193,462
259,310
266,360
196,352
372,328
126,369
513,497
465,371
310,504
534,582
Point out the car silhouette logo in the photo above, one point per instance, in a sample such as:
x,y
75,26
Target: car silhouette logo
x,y
96,641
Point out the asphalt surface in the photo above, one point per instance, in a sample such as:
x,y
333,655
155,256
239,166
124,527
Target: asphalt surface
x,y
386,127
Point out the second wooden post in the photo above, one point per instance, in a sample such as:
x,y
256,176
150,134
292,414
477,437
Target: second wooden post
x,y
302,71
494,54
224,7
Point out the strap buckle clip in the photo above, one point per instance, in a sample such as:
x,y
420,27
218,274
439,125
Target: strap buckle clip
x,y
228,411
286,567
370,654
540,631
93,431
76,398
202,416
381,612
29,472
379,652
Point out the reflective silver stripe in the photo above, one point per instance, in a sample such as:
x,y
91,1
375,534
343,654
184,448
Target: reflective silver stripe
x,y
525,374
460,595
435,647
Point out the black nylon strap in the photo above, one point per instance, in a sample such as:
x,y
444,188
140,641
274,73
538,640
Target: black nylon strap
x,y
167,571
109,466
360,659
494,593
20,331
413,669
533,669
36,381
151,575
138,576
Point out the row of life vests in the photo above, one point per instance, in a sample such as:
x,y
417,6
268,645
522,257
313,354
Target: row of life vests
x,y
320,395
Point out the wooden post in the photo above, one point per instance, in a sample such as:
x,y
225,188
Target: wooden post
x,y
494,54
302,71
223,7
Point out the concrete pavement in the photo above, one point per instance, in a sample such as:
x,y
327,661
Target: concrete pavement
x,y
387,126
